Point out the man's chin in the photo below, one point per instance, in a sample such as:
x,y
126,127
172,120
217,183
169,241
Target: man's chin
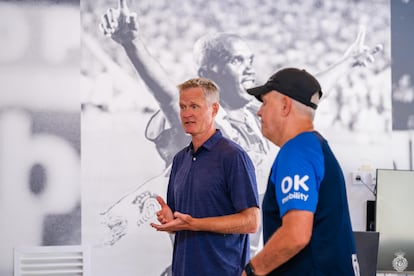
x,y
188,130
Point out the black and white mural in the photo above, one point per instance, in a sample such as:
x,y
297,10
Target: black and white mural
x,y
402,68
402,14
134,53
87,128
40,189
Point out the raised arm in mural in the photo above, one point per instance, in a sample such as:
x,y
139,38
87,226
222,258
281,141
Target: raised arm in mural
x,y
227,60
357,54
121,25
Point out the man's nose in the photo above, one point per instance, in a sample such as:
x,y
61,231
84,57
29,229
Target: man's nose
x,y
259,112
186,112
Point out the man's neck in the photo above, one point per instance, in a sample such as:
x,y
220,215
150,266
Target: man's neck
x,y
200,139
294,130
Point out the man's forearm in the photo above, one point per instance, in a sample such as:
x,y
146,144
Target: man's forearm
x,y
245,222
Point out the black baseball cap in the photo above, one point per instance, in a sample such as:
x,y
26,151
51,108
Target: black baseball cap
x,y
292,82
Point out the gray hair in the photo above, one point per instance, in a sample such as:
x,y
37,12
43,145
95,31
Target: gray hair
x,y
306,110
210,88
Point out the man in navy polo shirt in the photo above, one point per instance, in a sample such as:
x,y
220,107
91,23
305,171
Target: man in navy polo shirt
x,y
212,199
306,222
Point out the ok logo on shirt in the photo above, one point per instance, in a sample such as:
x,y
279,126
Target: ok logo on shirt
x,y
296,183
291,188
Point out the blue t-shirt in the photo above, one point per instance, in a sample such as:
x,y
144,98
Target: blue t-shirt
x,y
307,176
217,180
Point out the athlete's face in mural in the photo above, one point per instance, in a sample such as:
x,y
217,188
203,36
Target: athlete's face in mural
x,y
197,116
239,64
236,73
232,70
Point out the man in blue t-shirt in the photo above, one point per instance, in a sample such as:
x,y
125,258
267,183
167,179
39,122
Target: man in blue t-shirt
x,y
212,198
306,223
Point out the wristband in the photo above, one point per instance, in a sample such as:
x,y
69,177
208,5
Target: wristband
x,y
249,269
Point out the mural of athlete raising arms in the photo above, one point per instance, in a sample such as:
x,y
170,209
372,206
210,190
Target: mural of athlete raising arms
x,y
226,59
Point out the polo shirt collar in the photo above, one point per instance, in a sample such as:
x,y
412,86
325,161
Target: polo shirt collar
x,y
208,145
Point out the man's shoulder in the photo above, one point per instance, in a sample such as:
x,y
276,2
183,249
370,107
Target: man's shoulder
x,y
305,145
303,140
228,145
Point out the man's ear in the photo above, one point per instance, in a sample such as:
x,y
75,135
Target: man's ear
x,y
286,105
216,107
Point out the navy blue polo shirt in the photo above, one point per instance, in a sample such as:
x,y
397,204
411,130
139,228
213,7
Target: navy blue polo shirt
x,y
217,180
